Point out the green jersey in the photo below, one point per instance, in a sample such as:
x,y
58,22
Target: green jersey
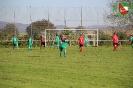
x,y
14,39
63,46
85,41
132,39
57,39
30,41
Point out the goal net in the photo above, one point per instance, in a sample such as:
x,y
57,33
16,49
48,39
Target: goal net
x,y
71,36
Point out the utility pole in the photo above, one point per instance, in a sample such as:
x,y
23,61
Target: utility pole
x,y
48,17
14,22
31,22
65,17
81,16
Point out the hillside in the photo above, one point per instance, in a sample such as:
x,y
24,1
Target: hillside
x,y
21,27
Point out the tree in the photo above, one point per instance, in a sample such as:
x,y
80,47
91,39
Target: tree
x,y
80,27
68,32
79,32
118,21
9,30
38,27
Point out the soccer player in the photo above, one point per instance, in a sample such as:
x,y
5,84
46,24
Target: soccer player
x,y
30,42
81,43
42,39
62,48
85,42
15,42
115,41
62,38
57,40
131,40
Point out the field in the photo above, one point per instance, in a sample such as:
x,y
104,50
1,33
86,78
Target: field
x,y
95,67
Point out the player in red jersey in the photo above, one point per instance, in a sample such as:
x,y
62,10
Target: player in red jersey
x,y
115,41
81,42
42,39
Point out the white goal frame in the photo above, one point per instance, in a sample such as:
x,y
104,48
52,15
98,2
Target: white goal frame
x,y
97,33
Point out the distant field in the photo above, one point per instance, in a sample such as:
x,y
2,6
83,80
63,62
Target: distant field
x,y
95,67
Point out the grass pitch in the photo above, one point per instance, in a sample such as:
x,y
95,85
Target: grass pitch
x,y
95,67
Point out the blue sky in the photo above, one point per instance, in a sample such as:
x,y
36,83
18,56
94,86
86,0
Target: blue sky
x,y
39,10
55,3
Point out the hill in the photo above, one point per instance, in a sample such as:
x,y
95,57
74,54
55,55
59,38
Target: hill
x,y
21,27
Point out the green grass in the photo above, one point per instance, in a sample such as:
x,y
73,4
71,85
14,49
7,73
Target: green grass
x,y
95,67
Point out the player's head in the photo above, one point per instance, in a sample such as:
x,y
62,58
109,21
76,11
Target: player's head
x,y
114,33
14,35
81,35
56,34
61,35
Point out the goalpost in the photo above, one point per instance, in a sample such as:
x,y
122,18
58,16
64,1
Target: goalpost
x,y
72,36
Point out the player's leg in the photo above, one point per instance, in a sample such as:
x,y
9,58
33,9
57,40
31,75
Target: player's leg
x,y
114,46
132,44
57,45
54,45
64,53
13,46
117,46
64,49
29,46
81,47
41,46
60,50
85,44
17,45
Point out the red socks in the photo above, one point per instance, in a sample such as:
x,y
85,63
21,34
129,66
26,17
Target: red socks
x,y
81,49
115,47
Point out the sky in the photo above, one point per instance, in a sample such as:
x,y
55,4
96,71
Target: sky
x,y
23,11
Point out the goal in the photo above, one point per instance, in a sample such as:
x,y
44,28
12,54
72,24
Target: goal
x,y
72,36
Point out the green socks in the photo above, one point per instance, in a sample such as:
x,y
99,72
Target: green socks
x,y
60,53
64,54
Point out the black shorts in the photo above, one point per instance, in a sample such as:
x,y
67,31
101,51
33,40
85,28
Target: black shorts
x,y
81,45
131,42
42,43
115,44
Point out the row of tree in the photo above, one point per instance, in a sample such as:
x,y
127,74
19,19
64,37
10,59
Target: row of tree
x,y
34,29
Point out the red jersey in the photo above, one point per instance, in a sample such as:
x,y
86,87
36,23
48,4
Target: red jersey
x,y
115,38
81,40
42,39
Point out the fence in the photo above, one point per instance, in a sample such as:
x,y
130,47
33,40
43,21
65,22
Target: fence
x,y
62,17
36,43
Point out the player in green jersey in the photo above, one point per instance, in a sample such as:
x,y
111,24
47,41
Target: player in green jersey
x,y
30,42
85,42
15,42
57,40
62,48
132,41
